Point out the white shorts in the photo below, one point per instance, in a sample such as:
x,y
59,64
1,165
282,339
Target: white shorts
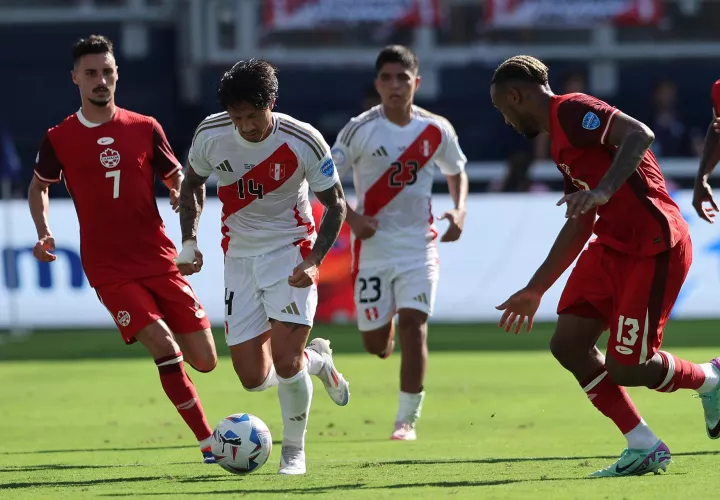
x,y
257,290
381,291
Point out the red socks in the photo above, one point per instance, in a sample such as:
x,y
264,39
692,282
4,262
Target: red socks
x,y
679,374
181,391
612,401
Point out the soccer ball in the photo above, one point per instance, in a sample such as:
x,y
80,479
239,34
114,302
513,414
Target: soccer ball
x,y
241,443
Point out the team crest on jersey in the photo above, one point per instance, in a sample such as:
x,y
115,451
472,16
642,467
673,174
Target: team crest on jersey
x,y
110,158
590,121
123,318
277,171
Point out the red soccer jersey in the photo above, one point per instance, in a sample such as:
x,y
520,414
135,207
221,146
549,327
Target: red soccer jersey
x,y
109,171
640,218
715,93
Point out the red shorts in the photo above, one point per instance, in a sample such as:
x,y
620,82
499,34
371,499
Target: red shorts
x,y
633,294
136,304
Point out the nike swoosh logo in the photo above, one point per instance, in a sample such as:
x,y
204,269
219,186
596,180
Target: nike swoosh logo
x,y
620,470
714,433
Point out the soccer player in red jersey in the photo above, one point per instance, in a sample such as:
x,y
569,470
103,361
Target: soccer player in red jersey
x,y
627,279
109,158
710,157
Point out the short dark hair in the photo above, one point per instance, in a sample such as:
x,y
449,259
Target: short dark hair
x,y
523,68
396,54
253,81
94,44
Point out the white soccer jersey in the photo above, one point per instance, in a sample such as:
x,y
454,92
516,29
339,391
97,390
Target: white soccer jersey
x,y
263,186
393,170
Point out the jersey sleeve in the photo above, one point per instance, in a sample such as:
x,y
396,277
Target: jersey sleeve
x,y
321,175
342,153
197,156
715,93
163,161
47,166
451,160
585,120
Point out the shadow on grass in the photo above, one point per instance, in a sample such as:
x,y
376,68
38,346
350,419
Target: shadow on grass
x,y
354,487
89,482
106,344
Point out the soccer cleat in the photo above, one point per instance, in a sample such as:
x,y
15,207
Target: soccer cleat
x,y
711,406
292,460
638,462
404,431
387,352
208,457
335,384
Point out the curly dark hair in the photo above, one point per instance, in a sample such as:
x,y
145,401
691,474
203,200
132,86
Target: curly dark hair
x,y
94,44
523,68
396,54
253,81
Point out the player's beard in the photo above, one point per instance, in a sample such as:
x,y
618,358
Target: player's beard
x,y
101,103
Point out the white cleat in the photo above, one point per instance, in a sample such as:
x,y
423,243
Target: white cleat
x,y
335,384
404,431
292,460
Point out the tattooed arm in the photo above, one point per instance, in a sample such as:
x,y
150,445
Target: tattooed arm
x,y
335,210
192,200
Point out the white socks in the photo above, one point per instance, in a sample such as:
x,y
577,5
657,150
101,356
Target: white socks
x,y
295,394
641,437
711,378
410,407
313,362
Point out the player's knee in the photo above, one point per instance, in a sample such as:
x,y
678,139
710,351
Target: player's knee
x,y
376,341
287,365
412,327
205,363
562,350
157,340
624,375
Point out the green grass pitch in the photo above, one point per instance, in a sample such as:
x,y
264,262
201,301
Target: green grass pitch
x,y
83,416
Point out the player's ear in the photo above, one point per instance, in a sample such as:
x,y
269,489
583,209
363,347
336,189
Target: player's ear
x,y
513,95
272,105
418,79
74,76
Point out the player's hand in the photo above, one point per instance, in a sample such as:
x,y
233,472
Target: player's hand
x,y
456,218
520,307
303,275
43,248
703,194
190,259
175,199
716,124
364,227
581,202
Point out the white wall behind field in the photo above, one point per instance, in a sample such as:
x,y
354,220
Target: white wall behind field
x,y
506,237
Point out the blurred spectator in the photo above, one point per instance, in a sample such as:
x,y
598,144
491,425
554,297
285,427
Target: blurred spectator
x,y
516,178
9,162
670,132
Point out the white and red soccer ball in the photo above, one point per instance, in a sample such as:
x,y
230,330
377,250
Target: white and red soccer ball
x,y
241,443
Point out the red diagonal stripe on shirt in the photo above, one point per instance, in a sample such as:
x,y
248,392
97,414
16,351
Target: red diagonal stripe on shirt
x,y
421,150
260,175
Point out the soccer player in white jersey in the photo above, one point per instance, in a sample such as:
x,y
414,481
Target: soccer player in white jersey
x,y
393,149
265,162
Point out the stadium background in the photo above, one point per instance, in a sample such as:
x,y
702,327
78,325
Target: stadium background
x,y
654,59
